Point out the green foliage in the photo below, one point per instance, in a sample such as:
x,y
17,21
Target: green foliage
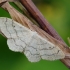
x,y
58,14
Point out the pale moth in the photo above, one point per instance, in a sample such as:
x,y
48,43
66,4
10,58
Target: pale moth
x,y
21,39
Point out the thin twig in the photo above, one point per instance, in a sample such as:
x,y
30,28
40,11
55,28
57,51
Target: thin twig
x,y
36,14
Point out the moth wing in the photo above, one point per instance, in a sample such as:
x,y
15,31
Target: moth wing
x,y
24,40
14,46
13,29
17,35
31,51
39,48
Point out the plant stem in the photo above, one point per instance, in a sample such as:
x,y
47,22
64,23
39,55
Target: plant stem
x,y
38,17
36,14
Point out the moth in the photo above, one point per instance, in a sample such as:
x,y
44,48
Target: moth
x,y
25,37
22,39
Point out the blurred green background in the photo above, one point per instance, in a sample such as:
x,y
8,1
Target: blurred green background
x,y
57,12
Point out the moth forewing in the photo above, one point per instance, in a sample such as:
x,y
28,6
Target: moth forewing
x,y
33,45
28,38
46,49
